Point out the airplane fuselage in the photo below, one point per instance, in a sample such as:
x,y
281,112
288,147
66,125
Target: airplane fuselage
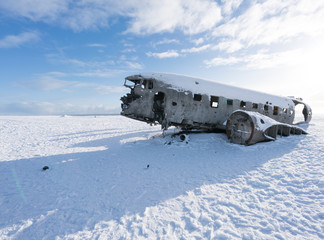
x,y
193,103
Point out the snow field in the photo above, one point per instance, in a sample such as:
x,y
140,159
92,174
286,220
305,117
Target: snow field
x,y
98,186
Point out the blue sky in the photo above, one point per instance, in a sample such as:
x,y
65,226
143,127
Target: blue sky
x,y
71,56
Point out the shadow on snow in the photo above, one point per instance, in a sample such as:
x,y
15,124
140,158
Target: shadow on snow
x,y
82,189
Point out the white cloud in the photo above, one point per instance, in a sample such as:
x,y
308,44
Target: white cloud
x,y
229,6
76,15
166,41
196,49
127,45
99,45
229,46
264,22
88,16
18,40
95,68
146,17
272,22
189,16
101,89
198,41
260,60
174,53
167,54
62,59
102,73
134,65
129,50
57,74
36,10
218,61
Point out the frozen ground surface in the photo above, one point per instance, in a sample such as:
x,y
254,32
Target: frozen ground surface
x,y
98,185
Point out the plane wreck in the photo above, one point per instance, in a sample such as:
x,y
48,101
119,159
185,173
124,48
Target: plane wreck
x,y
190,103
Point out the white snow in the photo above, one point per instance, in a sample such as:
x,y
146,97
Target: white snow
x,y
98,185
202,86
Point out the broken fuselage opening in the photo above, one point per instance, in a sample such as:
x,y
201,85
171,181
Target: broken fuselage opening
x,y
158,107
303,112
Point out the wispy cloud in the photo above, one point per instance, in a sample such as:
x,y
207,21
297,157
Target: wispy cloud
x,y
146,17
165,41
99,45
263,22
129,50
49,108
175,53
167,54
229,46
190,16
78,16
101,89
102,73
60,58
229,6
57,74
134,65
46,11
11,41
260,60
47,82
196,49
271,22
95,68
198,41
219,61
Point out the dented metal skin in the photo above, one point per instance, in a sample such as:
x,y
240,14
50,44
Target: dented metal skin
x,y
248,117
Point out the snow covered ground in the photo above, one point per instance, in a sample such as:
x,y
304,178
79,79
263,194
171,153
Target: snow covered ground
x,y
98,185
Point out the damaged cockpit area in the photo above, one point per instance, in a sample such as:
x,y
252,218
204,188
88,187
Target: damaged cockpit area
x,y
129,97
143,103
307,111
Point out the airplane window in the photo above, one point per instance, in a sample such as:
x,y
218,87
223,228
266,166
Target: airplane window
x,y
254,105
266,107
243,104
144,84
150,85
129,83
197,97
229,102
214,101
275,110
